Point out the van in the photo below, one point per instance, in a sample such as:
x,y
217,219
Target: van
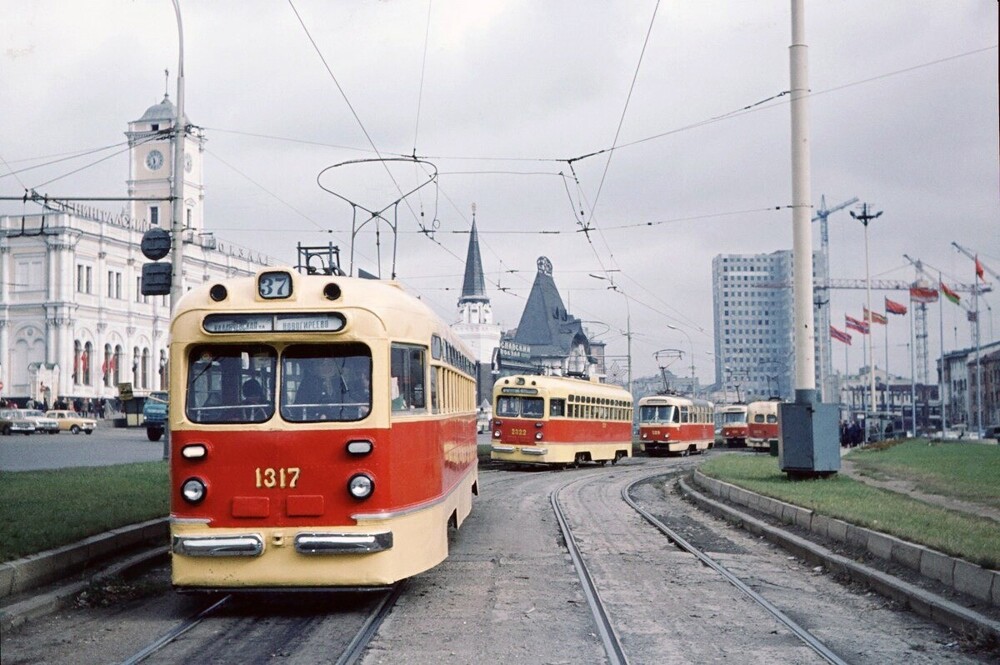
x,y
154,414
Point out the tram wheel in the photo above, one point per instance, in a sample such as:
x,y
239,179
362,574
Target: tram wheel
x,y
602,462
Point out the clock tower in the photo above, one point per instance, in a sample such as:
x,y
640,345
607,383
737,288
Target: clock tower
x,y
151,168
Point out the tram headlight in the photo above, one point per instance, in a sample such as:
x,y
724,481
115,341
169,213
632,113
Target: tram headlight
x,y
361,486
193,490
496,434
645,435
538,436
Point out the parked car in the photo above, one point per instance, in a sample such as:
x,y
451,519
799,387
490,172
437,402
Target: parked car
x,y
154,414
71,421
12,422
42,423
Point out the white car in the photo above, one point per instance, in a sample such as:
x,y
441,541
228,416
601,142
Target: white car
x,y
11,422
42,422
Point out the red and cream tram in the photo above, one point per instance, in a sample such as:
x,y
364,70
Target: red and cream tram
x,y
734,425
762,424
322,434
675,424
560,420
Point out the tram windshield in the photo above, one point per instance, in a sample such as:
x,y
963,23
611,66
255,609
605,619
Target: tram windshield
x,y
734,417
656,413
326,382
230,384
526,407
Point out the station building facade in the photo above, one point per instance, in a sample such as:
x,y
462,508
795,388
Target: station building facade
x,y
73,322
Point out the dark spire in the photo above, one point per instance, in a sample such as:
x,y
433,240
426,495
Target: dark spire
x,y
474,285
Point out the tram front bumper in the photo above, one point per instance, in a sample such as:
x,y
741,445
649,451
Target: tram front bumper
x,y
525,450
252,545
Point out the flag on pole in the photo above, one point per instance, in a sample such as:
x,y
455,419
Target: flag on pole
x,y
979,269
852,323
949,294
893,307
875,317
923,294
840,336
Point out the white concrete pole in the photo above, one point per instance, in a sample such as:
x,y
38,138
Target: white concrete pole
x,y
805,334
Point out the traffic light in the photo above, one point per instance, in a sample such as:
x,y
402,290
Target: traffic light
x,y
156,277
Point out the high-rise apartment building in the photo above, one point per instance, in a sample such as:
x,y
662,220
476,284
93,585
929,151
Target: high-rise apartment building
x,y
754,326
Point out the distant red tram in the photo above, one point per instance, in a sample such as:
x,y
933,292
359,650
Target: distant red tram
x,y
675,424
560,420
762,424
734,425
322,434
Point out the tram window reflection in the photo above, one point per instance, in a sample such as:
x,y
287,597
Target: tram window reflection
x,y
326,382
407,371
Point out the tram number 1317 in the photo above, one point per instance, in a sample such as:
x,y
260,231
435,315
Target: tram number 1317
x,y
282,478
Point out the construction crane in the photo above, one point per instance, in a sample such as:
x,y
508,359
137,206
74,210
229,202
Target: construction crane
x,y
975,258
821,216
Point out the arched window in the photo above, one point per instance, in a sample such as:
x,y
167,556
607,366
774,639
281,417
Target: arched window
x,y
162,371
116,365
135,366
145,368
88,353
107,367
77,359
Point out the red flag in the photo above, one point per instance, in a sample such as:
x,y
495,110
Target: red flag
x,y
852,323
840,336
893,307
979,269
875,317
949,294
923,294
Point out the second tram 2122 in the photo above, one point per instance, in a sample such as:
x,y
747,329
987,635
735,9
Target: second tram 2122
x,y
560,420
322,434
675,424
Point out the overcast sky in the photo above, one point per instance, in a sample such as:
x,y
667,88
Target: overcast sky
x,y
500,95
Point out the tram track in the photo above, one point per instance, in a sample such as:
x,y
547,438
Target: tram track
x,y
800,632
285,635
603,616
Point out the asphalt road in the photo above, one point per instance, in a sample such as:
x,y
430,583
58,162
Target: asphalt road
x,y
106,446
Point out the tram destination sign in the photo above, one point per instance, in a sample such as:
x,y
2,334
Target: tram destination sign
x,y
519,391
256,323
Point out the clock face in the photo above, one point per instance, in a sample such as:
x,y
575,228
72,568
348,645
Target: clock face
x,y
154,160
187,162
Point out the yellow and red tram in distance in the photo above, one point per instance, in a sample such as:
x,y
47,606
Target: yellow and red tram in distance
x,y
734,425
762,424
675,424
560,420
322,434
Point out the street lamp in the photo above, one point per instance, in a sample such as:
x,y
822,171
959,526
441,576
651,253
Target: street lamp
x,y
864,218
628,324
177,185
691,344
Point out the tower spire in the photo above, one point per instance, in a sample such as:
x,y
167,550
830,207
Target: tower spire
x,y
474,284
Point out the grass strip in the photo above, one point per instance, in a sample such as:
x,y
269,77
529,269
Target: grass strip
x,y
966,471
40,510
975,539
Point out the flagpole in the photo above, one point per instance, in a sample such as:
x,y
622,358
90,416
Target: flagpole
x,y
944,417
888,392
979,375
913,371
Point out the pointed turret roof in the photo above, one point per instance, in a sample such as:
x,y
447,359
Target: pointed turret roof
x,y
545,324
474,285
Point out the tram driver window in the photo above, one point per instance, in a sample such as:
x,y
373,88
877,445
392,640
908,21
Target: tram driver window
x,y
326,382
230,384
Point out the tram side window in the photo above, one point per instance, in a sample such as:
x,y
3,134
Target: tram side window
x,y
435,408
230,384
321,382
407,363
557,407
